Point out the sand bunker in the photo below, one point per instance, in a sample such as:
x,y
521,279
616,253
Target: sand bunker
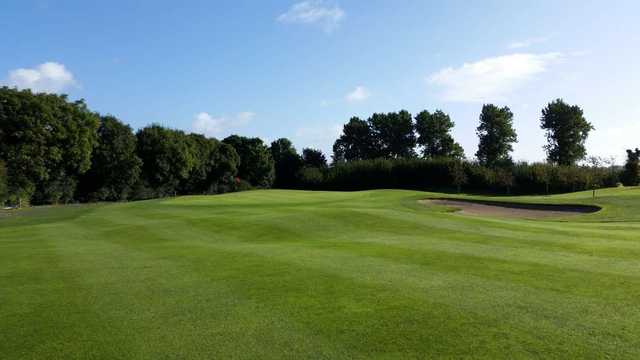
x,y
512,210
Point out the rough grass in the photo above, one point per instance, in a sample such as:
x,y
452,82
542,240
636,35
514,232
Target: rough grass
x,y
291,274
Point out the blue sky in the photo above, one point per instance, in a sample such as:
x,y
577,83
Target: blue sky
x,y
302,69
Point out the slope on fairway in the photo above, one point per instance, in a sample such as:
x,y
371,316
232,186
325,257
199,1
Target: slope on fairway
x,y
291,274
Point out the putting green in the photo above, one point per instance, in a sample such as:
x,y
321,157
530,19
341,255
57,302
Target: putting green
x,y
293,274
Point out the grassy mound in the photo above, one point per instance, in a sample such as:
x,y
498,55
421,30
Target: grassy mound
x,y
291,274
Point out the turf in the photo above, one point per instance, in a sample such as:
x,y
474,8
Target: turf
x,y
292,274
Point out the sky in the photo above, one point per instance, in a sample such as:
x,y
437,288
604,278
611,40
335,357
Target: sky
x,y
301,69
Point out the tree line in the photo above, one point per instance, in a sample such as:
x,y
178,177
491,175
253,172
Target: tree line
x,y
53,150
381,152
396,135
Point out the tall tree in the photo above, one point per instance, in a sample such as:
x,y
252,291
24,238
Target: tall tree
x,y
200,180
287,162
4,188
314,158
394,134
434,135
167,158
567,130
256,164
631,172
46,143
496,134
355,143
115,167
226,161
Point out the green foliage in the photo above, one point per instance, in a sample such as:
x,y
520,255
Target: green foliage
x,y
388,136
168,158
256,163
287,163
566,131
46,142
434,135
631,173
393,135
312,178
355,143
226,161
314,158
496,134
4,187
448,173
115,167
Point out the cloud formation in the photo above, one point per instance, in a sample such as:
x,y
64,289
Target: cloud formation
x,y
318,137
314,12
490,79
527,42
50,77
360,93
211,126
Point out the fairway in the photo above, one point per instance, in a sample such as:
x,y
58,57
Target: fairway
x,y
294,274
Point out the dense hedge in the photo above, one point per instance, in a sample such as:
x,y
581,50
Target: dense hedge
x,y
448,174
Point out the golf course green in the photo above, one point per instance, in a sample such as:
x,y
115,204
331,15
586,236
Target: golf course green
x,y
294,274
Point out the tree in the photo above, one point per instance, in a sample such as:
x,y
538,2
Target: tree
x,y
287,162
167,158
496,135
4,189
200,179
355,143
256,163
115,167
226,161
46,143
631,173
394,134
434,135
314,158
567,130
458,176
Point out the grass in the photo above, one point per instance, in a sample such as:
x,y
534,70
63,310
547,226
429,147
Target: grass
x,y
291,274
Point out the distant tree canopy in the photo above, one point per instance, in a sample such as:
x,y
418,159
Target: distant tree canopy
x,y
388,136
393,135
287,163
256,163
53,150
166,157
46,142
434,135
631,173
4,187
314,158
115,166
496,135
567,130
355,143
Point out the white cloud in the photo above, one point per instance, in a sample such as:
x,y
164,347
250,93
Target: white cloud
x,y
50,77
208,125
490,79
527,42
318,137
245,116
360,93
314,12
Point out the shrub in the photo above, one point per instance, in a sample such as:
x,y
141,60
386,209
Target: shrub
x,y
451,174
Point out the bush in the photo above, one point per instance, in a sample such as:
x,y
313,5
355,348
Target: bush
x,y
4,187
450,174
